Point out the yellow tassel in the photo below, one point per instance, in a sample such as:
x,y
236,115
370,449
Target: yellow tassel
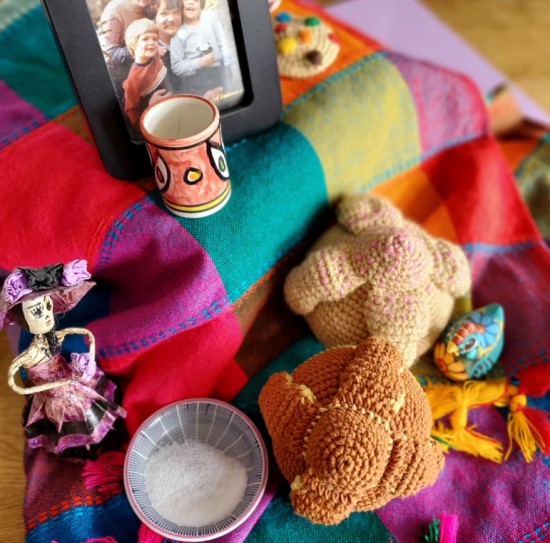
x,y
464,438
456,401
474,394
443,399
522,432
442,435
469,441
520,429
477,393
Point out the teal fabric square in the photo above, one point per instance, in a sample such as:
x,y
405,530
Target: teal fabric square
x,y
279,524
34,69
278,197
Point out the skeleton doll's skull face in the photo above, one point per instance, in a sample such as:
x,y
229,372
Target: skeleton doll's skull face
x,y
39,314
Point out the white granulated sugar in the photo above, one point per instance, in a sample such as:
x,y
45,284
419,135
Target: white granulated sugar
x,y
194,484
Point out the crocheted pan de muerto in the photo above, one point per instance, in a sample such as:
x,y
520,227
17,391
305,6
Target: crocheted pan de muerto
x,y
378,274
351,431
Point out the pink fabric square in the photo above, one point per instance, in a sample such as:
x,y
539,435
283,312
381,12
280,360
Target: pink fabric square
x,y
18,116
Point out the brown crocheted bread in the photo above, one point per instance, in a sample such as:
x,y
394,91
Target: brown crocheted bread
x,y
377,274
351,431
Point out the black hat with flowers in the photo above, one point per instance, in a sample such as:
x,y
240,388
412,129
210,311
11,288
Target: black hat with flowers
x,y
66,284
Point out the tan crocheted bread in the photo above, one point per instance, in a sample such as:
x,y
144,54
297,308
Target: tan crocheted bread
x,y
376,273
351,431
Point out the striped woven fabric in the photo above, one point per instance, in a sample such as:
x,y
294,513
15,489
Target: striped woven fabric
x,y
195,309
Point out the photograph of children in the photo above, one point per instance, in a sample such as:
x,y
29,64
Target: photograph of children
x,y
168,16
115,18
155,48
202,55
147,80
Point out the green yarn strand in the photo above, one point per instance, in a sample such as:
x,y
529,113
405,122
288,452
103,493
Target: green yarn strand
x,y
433,532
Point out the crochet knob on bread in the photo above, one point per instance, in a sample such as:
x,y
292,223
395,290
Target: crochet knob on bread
x,y
350,431
377,274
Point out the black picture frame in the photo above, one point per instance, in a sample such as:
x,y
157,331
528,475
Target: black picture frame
x,y
259,109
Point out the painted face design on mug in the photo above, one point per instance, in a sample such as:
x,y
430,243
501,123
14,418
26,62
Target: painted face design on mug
x,y
193,179
184,140
39,314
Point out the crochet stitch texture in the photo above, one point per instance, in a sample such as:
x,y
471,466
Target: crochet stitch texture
x,y
377,274
351,431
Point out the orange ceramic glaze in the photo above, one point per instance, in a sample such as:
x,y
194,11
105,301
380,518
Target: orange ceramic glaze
x,y
188,155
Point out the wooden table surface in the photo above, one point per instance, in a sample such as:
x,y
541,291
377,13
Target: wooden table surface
x,y
512,34
12,480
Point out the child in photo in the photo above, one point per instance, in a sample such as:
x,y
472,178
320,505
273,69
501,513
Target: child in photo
x,y
147,80
114,20
201,53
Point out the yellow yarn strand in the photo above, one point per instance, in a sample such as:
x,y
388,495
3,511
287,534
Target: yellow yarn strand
x,y
443,399
469,441
456,401
522,432
477,393
520,429
442,435
464,438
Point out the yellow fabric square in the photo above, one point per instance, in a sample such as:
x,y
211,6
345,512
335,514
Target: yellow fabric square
x,y
363,124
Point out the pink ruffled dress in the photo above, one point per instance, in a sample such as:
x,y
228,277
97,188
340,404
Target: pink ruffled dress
x,y
78,414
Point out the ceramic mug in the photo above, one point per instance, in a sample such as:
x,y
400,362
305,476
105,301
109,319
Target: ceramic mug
x,y
183,137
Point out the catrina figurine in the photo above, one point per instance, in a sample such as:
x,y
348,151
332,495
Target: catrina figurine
x,y
471,344
70,402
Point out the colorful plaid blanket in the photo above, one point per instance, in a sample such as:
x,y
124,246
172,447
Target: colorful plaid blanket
x,y
195,308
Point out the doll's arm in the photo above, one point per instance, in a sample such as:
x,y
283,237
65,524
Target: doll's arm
x,y
83,365
82,331
28,358
324,276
